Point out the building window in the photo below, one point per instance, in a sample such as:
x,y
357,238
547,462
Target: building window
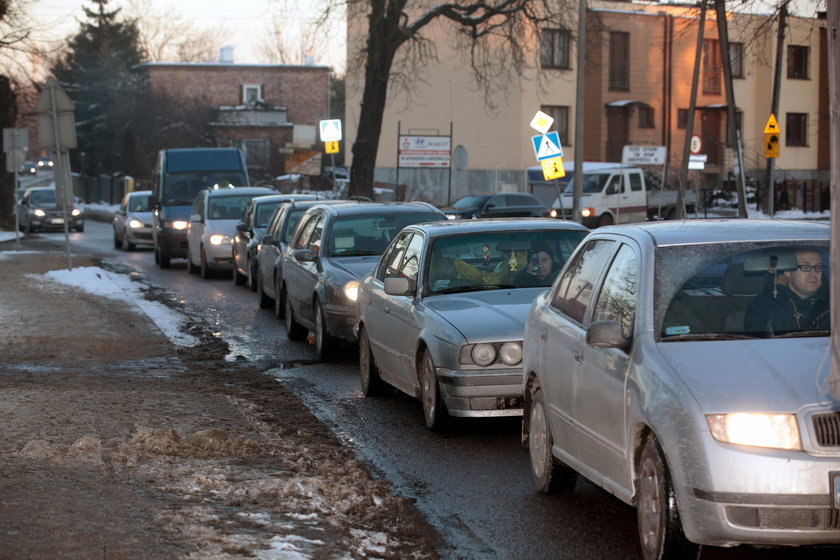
x,y
251,94
682,118
646,117
554,48
736,59
560,114
796,131
797,67
619,60
711,66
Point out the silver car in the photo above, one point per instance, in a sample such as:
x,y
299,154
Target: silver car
x,y
133,221
441,317
683,367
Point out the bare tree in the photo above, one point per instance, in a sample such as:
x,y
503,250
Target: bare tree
x,y
291,44
492,34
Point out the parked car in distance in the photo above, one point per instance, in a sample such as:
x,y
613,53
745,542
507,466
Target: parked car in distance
x,y
501,205
133,221
333,247
268,267
682,366
28,168
38,210
213,220
249,232
441,318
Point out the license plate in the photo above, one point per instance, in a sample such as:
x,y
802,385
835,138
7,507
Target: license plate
x,y
57,221
835,490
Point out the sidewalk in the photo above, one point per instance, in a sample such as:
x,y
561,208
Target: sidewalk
x,y
118,444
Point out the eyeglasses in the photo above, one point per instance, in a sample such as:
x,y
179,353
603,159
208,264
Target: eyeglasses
x,y
809,267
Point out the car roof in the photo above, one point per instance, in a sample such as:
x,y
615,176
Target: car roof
x,y
283,198
235,191
351,208
139,193
673,232
491,225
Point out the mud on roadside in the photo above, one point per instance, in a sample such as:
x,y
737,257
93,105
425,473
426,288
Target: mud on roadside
x,y
118,444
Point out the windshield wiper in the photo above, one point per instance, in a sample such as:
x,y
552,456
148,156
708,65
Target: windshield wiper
x,y
708,336
798,334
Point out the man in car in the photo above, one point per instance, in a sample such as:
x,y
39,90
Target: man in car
x,y
541,269
799,304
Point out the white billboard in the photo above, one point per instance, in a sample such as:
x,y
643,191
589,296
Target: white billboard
x,y
425,151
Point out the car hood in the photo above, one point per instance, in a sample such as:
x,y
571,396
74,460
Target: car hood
x,y
227,227
354,267
751,375
488,315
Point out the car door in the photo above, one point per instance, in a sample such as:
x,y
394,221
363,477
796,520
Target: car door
x,y
600,379
561,333
302,276
119,218
633,198
495,207
269,253
378,304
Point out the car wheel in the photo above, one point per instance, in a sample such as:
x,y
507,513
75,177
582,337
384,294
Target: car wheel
x,y
605,220
372,384
660,529
126,244
265,301
434,410
294,330
279,300
117,242
325,344
164,260
205,270
81,229
549,474
238,278
253,273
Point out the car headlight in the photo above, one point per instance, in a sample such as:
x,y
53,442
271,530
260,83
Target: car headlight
x,y
511,353
779,431
552,213
351,290
38,212
483,354
219,239
452,216
587,212
135,223
75,212
177,224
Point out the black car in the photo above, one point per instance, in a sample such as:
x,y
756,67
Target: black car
x,y
501,205
38,210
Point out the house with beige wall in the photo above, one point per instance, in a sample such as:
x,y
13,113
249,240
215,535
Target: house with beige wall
x,y
638,76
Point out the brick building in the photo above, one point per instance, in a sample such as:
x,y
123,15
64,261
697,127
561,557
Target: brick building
x,y
269,111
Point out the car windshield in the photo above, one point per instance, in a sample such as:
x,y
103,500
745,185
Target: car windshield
x,y
139,203
181,187
470,201
264,213
371,234
46,196
227,207
737,290
592,183
493,260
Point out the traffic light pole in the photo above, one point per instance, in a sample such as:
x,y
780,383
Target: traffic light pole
x,y
774,104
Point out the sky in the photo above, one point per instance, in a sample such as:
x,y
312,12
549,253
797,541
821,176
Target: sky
x,y
246,20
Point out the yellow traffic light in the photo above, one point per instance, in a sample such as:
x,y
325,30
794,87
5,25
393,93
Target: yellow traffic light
x,y
771,145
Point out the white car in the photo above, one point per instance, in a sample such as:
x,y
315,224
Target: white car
x,y
212,226
133,221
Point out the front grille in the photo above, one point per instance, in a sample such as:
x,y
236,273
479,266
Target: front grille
x,y
784,518
827,429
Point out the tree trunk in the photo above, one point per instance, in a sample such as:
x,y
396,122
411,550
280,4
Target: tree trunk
x,y
381,49
8,119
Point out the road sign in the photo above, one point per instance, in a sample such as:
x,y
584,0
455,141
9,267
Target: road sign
x,y
547,146
771,145
643,155
696,144
541,122
697,161
425,151
330,130
56,121
772,127
331,147
553,168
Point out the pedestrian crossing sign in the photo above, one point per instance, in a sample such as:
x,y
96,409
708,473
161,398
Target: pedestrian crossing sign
x,y
331,147
547,146
553,168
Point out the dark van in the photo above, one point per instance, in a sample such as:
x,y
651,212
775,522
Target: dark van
x,y
179,175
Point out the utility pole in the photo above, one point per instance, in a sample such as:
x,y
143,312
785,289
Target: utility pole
x,y
692,105
579,92
774,104
833,33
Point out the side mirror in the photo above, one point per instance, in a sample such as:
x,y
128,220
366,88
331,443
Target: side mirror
x,y
268,240
195,217
304,255
607,334
397,287
242,227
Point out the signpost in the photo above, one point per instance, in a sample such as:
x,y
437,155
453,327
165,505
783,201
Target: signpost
x,y
15,142
331,136
57,132
425,151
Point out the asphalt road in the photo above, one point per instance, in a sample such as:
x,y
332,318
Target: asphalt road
x,y
473,483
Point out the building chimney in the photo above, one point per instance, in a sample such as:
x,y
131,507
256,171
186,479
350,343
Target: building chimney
x,y
226,54
309,60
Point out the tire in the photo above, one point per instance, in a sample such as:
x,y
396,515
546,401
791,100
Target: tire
x,y
81,229
434,410
205,270
117,242
238,278
126,244
372,384
279,300
253,273
164,259
294,330
265,301
326,345
660,529
605,220
549,474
